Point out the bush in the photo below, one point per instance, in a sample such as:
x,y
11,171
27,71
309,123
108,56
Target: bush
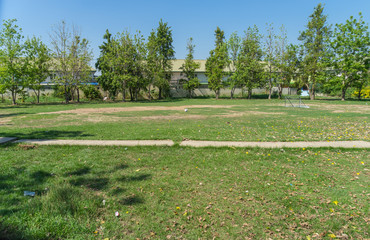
x,y
91,92
365,93
59,92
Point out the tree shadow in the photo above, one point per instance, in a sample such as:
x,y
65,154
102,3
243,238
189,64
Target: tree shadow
x,y
12,114
140,177
131,200
96,184
8,232
79,172
52,134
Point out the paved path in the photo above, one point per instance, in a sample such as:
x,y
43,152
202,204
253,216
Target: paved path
x,y
6,139
99,142
191,143
339,144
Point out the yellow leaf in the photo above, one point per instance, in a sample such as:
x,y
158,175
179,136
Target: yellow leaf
x,y
308,238
335,202
332,235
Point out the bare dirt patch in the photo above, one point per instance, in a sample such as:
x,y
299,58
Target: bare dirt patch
x,y
341,108
135,109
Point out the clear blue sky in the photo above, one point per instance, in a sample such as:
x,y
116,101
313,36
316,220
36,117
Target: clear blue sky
x,y
187,18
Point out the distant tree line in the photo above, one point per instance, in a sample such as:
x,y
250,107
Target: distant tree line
x,y
129,64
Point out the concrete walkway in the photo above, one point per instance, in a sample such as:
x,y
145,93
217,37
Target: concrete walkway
x,y
338,144
6,139
191,143
99,142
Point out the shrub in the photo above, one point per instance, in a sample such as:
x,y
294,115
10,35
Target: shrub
x,y
91,92
365,93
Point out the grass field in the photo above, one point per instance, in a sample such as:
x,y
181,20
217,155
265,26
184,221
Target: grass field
x,y
182,192
207,119
186,193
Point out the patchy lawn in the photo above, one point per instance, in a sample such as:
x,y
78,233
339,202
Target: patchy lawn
x,y
183,193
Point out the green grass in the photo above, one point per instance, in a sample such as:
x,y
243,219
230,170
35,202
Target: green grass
x,y
187,193
245,120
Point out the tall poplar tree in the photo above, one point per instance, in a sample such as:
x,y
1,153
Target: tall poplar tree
x,y
188,69
250,67
160,56
315,40
217,62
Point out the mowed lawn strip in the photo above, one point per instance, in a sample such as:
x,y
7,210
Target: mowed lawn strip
x,y
222,120
181,192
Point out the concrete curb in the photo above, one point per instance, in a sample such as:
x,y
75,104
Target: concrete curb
x,y
338,144
6,139
99,142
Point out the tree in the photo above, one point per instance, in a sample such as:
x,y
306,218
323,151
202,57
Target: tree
x,y
234,47
217,62
283,61
60,40
270,51
11,58
188,69
79,58
350,47
104,65
289,64
315,42
249,67
160,55
71,59
38,64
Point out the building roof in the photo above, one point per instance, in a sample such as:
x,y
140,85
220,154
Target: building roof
x,y
177,63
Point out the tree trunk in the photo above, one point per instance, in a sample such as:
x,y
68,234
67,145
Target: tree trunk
x,y
217,92
189,93
359,93
149,94
66,94
78,94
270,88
38,96
123,95
311,91
14,97
160,93
280,90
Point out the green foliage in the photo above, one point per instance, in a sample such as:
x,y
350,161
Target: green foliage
x,y
91,92
234,51
188,69
364,93
315,41
62,92
160,54
217,62
350,49
249,67
11,58
38,64
72,58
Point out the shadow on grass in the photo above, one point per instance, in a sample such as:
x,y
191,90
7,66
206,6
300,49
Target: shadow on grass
x,y
52,134
79,172
131,200
96,184
11,233
12,114
141,177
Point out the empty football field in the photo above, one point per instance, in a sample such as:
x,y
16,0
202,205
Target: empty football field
x,y
183,192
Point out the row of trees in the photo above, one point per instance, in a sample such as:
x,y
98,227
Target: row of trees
x,y
336,59
26,64
129,63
